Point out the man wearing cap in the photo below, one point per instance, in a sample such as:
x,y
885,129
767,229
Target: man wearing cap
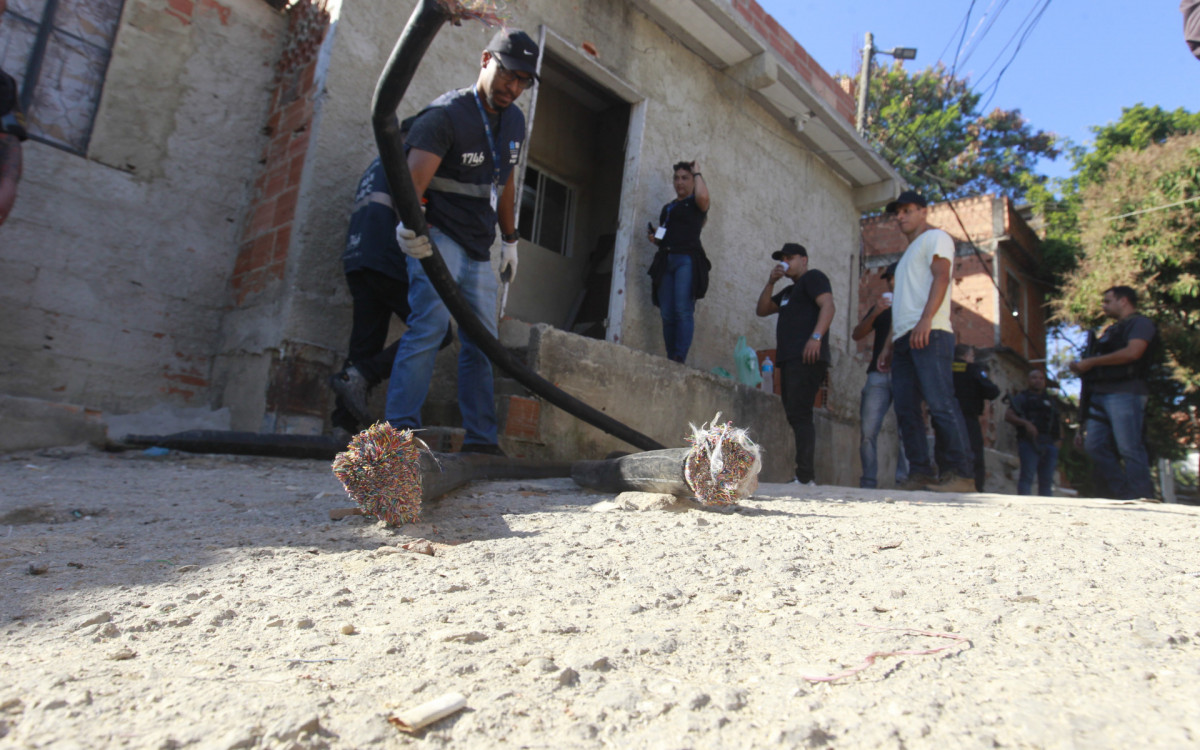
x,y
877,393
921,352
462,149
802,347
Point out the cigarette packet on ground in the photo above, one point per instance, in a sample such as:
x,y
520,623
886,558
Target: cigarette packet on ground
x,y
415,719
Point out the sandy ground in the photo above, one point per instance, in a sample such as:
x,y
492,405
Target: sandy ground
x,y
208,602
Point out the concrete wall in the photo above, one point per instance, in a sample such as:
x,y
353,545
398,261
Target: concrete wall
x,y
117,264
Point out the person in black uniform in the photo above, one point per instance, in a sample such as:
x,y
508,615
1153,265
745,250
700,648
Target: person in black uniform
x,y
377,276
462,150
972,387
679,271
12,133
802,347
1039,434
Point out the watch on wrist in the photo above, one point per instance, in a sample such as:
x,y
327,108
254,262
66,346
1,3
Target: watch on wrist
x,y
816,337
510,237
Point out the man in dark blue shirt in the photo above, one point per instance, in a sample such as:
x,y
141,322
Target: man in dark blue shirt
x,y
805,312
462,149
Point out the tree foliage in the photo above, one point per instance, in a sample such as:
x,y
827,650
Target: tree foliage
x,y
1139,224
927,124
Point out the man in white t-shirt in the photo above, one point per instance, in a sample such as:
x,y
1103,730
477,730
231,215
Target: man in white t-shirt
x,y
921,353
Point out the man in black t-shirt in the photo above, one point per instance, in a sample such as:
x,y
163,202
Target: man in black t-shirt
x,y
972,387
877,392
802,347
1116,376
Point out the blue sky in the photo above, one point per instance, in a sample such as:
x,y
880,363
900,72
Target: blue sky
x,y
1082,62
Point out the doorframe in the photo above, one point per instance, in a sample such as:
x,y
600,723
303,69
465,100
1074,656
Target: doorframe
x,y
634,136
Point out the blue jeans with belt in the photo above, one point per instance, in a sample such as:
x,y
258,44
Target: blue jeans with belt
x,y
1114,435
676,305
413,368
928,374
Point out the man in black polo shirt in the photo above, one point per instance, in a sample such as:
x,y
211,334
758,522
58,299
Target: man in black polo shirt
x,y
1039,433
802,348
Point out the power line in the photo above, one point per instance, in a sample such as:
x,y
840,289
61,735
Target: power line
x,y
1153,208
1028,31
963,38
990,21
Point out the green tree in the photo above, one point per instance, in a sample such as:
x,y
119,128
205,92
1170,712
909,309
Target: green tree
x,y
927,124
1059,203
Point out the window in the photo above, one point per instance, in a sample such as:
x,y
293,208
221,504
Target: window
x,y
547,212
1016,300
58,50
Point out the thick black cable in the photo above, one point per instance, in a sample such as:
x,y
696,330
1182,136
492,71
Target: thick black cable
x,y
426,20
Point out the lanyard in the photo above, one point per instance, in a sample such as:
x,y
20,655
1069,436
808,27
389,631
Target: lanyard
x,y
487,128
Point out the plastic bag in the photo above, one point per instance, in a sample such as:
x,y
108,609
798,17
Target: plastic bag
x,y
746,362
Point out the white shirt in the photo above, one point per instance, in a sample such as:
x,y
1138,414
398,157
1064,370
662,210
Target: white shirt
x,y
914,279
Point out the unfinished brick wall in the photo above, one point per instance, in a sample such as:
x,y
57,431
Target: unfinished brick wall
x,y
791,51
262,254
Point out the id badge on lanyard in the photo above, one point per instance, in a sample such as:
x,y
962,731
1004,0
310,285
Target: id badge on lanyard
x,y
494,196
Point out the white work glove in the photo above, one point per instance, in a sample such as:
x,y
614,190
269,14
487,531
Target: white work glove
x,y
508,261
413,245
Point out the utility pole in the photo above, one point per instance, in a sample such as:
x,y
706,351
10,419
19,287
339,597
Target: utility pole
x,y
864,77
864,83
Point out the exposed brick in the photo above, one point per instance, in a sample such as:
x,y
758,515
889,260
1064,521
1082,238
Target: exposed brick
x,y
182,8
285,206
524,418
283,239
264,218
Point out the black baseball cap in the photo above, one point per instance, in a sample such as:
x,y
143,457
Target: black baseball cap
x,y
908,196
516,51
890,271
789,248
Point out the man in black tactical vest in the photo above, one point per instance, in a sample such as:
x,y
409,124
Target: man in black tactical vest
x,y
1039,434
1116,375
972,387
12,132
462,149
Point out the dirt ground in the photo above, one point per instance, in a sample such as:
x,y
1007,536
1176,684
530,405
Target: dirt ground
x,y
209,602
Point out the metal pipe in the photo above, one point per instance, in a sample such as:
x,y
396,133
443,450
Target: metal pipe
x,y
414,41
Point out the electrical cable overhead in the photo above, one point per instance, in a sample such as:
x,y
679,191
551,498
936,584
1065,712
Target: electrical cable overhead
x,y
1024,37
990,22
963,38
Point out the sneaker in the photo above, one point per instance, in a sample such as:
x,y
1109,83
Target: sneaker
x,y
952,482
490,449
352,386
915,482
809,483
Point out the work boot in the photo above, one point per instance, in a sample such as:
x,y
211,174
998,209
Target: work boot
x,y
952,482
916,482
352,386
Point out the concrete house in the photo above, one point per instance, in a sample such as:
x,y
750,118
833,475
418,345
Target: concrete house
x,y
175,246
997,303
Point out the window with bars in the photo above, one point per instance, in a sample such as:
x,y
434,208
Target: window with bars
x,y
547,211
58,50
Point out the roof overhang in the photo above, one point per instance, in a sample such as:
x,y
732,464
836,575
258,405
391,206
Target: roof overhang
x,y
713,30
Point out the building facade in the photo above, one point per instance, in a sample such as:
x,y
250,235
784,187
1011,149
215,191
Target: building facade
x,y
183,251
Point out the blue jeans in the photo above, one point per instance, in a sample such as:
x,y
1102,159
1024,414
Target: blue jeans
x,y
677,306
413,368
1114,434
928,374
1040,459
876,400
